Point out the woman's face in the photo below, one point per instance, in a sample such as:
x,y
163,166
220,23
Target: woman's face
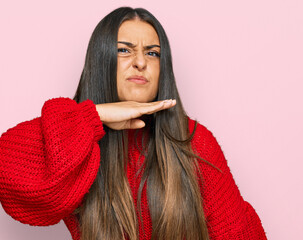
x,y
138,63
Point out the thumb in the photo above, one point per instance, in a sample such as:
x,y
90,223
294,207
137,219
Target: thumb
x,y
136,123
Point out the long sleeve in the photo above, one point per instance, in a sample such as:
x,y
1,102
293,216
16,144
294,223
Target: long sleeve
x,y
228,216
48,164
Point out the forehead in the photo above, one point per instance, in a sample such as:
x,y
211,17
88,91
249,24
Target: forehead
x,y
136,31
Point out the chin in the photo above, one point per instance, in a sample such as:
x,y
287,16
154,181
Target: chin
x,y
137,99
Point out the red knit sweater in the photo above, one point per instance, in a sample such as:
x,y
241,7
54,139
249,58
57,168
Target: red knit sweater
x,y
48,164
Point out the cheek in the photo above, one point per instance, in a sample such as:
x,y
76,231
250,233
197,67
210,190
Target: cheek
x,y
155,71
123,65
155,87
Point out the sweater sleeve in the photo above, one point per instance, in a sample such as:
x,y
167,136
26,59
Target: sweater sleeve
x,y
48,164
228,216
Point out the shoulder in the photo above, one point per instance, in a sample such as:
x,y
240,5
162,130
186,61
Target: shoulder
x,y
205,145
213,166
201,133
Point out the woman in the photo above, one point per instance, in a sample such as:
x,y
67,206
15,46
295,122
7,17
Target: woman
x,y
123,161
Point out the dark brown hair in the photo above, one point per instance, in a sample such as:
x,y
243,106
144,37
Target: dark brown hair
x,y
174,197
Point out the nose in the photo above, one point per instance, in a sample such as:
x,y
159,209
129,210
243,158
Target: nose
x,y
139,61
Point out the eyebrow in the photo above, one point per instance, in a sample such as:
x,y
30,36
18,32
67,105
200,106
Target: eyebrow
x,y
133,45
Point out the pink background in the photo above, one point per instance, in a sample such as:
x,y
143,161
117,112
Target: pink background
x,y
238,65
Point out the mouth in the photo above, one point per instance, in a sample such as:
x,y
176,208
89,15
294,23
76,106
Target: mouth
x,y
137,79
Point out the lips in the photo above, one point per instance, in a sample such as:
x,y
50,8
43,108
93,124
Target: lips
x,y
137,79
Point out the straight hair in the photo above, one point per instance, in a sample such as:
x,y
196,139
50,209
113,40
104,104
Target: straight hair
x,y
170,167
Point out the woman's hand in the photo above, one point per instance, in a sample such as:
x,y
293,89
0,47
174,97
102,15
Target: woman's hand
x,y
124,115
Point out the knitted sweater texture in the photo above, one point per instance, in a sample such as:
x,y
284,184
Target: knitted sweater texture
x,y
49,163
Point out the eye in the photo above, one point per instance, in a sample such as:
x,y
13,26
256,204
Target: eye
x,y
153,54
123,50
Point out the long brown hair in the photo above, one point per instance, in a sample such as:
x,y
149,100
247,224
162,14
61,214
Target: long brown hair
x,y
170,170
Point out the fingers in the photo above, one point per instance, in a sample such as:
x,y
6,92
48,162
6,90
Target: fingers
x,y
158,106
169,103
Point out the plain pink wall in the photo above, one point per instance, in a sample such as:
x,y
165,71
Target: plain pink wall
x,y
239,68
